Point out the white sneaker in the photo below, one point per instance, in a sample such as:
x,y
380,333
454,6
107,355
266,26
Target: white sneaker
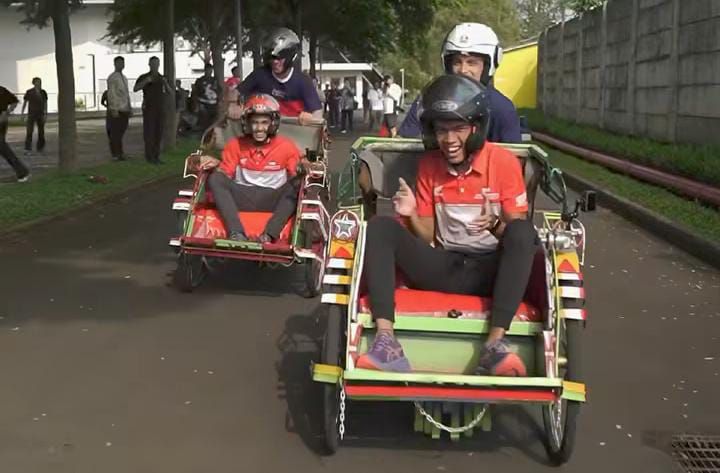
x,y
26,178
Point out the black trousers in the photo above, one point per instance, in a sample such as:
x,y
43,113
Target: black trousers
x,y
502,274
117,126
347,120
32,121
153,123
231,198
7,153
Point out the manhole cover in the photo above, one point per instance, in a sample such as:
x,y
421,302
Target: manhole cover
x,y
697,453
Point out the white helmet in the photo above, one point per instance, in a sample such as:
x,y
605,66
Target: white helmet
x,y
473,38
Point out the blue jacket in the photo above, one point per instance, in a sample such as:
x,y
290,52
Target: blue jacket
x,y
504,122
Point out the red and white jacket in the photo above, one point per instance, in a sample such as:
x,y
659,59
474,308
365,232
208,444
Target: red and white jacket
x,y
268,165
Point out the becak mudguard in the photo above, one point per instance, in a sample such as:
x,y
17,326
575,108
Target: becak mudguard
x,y
442,334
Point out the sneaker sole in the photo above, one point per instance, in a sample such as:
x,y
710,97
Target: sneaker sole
x,y
369,363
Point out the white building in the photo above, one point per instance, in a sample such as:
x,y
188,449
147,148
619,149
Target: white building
x,y
28,53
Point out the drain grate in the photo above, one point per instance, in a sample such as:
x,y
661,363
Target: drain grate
x,y
697,453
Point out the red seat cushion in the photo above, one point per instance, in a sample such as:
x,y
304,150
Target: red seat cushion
x,y
409,301
209,224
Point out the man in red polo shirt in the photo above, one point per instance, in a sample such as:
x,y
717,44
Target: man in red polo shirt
x,y
257,171
471,205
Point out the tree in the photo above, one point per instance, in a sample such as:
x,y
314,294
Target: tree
x,y
536,15
170,131
38,13
424,63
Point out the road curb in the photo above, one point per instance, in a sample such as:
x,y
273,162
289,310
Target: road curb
x,y
706,250
10,231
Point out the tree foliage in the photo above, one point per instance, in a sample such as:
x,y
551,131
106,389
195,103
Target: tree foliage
x,y
425,62
39,13
536,15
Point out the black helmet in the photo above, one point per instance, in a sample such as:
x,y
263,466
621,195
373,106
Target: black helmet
x,y
282,43
455,97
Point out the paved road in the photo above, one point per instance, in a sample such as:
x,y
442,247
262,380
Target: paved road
x,y
108,369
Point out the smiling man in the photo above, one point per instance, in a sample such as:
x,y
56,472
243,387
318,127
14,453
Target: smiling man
x,y
468,229
473,50
257,171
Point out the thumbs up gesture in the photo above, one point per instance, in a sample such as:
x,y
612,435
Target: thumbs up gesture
x,y
404,200
484,222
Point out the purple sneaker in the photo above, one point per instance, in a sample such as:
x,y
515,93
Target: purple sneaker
x,y
385,354
496,359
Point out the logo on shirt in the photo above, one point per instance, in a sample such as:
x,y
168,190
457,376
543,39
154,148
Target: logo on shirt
x,y
281,94
521,200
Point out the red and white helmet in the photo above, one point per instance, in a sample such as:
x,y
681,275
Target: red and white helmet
x,y
477,39
261,104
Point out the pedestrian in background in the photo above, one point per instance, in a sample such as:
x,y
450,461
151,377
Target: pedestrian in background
x,y
348,107
35,100
391,101
8,102
118,108
375,99
155,87
205,93
366,102
335,99
234,80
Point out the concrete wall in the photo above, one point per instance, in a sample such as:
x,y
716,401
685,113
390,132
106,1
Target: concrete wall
x,y
640,67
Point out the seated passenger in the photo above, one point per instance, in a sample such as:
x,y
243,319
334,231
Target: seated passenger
x,y
257,172
471,204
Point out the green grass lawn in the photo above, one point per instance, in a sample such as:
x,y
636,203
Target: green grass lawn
x,y
53,193
704,221
701,163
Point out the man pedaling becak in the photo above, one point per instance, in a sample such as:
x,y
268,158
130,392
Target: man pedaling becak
x,y
473,50
258,172
293,89
472,205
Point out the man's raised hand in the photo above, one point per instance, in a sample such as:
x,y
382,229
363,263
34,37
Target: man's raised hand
x,y
404,200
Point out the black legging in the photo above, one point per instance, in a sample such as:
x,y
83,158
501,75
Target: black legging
x,y
231,198
502,274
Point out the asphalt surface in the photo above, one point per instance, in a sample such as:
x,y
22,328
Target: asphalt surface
x,y
106,368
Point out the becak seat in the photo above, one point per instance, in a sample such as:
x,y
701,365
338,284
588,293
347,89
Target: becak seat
x,y
207,223
413,302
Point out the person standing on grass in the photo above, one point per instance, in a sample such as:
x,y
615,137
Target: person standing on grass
x,y
154,86
119,109
35,100
8,102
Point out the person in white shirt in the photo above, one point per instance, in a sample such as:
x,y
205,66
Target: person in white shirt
x,y
375,99
391,100
119,110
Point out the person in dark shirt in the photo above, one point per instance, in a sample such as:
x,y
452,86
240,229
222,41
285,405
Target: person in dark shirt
x,y
35,100
293,89
205,94
8,102
473,50
155,87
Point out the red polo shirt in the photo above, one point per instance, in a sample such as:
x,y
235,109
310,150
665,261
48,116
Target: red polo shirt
x,y
459,199
267,165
